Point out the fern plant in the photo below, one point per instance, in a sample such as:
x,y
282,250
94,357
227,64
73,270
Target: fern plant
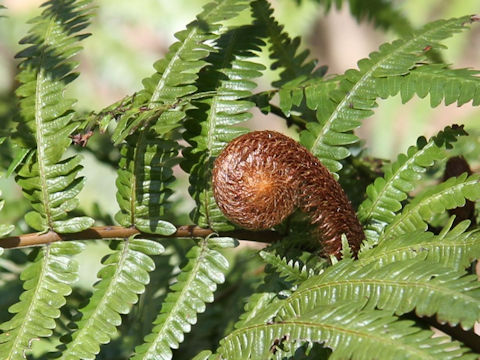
x,y
165,285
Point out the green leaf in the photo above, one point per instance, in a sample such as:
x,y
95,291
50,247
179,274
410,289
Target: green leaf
x,y
144,176
356,95
385,195
214,122
195,286
215,242
20,154
73,225
283,50
455,249
348,331
176,74
435,200
399,287
256,309
47,280
48,180
149,153
315,91
122,279
450,85
293,271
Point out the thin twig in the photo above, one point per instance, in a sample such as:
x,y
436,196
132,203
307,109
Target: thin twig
x,y
119,232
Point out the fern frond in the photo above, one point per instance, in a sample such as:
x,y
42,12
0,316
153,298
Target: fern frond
x,y
384,196
398,287
255,309
356,96
213,124
315,92
145,172
456,249
283,50
291,270
47,280
123,277
436,80
435,200
49,182
176,74
195,286
149,153
351,334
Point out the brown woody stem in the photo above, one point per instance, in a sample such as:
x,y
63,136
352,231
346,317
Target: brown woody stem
x,y
119,232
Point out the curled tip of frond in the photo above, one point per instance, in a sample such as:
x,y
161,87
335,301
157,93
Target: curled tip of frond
x,y
262,176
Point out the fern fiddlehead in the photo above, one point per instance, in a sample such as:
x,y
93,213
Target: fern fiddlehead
x,y
261,177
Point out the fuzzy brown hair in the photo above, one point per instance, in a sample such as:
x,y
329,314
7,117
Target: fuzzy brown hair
x,y
261,177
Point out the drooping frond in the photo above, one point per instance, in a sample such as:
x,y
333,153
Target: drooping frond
x,y
435,200
356,96
386,193
47,280
213,123
294,67
123,277
176,74
436,80
195,286
453,248
399,287
351,334
48,180
150,148
144,174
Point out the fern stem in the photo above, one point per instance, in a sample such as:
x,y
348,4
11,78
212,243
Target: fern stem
x,y
119,232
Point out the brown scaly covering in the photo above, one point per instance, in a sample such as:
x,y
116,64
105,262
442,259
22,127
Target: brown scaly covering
x,y
261,177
